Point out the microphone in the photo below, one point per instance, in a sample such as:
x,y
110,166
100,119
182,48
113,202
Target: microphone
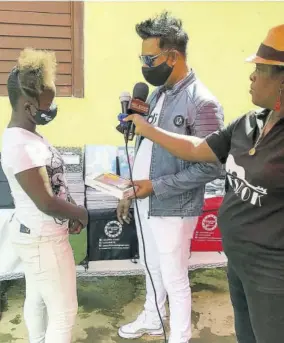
x,y
124,100
137,105
138,102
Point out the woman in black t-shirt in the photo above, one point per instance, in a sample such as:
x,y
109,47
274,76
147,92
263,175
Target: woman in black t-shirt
x,y
251,217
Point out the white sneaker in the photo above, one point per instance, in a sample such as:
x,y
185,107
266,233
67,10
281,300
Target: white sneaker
x,y
141,326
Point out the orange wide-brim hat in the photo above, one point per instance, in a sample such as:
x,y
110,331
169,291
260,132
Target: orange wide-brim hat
x,y
271,50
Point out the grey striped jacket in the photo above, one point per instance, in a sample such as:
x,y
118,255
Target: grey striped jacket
x,y
189,108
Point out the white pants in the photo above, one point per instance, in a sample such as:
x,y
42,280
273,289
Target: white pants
x,y
51,297
167,246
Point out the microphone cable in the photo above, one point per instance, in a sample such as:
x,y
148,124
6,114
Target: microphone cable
x,y
142,238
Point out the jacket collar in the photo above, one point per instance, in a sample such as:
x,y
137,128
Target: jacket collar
x,y
173,90
262,114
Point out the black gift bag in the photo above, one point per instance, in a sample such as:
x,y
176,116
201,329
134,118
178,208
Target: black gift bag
x,y
110,240
6,200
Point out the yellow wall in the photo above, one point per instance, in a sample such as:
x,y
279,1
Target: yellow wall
x,y
222,35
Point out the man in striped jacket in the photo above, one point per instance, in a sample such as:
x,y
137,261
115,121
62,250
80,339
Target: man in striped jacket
x,y
170,191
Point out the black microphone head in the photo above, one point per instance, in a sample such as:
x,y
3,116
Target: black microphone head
x,y
141,91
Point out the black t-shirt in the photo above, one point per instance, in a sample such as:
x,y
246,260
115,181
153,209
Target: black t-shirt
x,y
251,217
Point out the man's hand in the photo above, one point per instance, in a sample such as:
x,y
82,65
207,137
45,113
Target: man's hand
x,y
141,124
75,227
122,211
144,188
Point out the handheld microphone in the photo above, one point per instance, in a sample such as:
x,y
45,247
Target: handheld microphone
x,y
137,105
124,100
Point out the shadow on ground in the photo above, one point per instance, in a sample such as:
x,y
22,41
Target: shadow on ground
x,y
106,303
101,335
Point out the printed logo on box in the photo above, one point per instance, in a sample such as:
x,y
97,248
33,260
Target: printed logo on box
x,y
113,229
209,222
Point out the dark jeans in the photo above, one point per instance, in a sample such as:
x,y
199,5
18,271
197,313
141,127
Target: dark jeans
x,y
259,315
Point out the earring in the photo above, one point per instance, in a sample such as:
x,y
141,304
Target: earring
x,y
277,106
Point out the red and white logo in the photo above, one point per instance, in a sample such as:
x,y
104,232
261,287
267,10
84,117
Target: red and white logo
x,y
209,222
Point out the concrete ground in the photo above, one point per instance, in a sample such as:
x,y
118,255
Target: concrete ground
x,y
106,303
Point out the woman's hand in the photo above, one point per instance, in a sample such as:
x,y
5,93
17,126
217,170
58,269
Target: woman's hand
x,y
75,227
141,124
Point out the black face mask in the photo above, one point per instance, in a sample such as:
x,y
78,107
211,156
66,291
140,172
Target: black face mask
x,y
157,76
43,117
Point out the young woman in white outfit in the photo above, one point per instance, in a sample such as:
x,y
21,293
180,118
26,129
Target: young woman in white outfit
x,y
44,210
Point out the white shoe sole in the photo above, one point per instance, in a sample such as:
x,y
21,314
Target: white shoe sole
x,y
122,334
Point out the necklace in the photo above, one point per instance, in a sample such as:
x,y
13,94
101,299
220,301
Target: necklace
x,y
252,151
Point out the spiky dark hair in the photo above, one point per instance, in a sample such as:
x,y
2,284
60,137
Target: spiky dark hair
x,y
166,27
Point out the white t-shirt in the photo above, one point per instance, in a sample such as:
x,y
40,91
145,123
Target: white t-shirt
x,y
23,150
142,162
